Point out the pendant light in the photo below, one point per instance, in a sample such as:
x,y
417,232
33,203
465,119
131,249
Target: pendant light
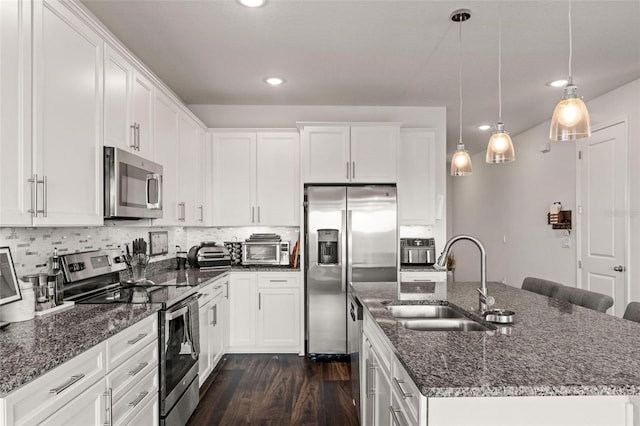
x,y
500,147
460,162
570,120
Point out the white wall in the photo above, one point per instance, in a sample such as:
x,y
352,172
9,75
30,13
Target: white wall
x,y
512,200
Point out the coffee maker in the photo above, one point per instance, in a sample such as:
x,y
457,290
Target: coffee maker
x,y
327,246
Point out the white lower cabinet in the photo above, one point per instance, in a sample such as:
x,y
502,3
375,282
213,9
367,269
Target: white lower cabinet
x,y
84,391
265,312
377,387
212,325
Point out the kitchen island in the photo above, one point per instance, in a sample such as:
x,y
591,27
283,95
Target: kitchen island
x,y
558,363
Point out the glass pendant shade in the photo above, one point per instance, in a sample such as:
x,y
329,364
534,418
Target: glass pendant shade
x,y
500,148
460,162
570,120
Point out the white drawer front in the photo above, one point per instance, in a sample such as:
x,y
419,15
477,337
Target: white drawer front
x,y
211,290
405,389
37,400
147,415
136,398
278,279
125,344
132,370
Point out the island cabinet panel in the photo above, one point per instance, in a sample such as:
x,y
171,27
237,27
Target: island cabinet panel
x,y
534,410
265,312
88,409
335,153
212,324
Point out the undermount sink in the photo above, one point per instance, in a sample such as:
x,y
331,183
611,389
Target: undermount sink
x,y
442,324
423,311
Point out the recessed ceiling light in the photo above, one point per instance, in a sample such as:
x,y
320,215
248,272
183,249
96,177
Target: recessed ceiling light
x,y
484,126
252,3
557,83
274,81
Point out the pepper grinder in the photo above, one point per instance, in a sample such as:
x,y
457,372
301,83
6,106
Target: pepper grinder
x,y
181,259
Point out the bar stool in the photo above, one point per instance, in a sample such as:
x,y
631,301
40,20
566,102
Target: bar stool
x,y
589,299
540,286
632,312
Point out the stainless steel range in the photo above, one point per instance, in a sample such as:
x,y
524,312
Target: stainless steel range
x,y
94,278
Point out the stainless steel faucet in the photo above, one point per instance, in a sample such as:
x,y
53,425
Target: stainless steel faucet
x,y
484,299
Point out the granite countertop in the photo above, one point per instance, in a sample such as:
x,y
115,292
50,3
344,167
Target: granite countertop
x,y
257,268
553,348
29,349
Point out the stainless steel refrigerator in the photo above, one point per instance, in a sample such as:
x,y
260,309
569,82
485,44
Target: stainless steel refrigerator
x,y
351,236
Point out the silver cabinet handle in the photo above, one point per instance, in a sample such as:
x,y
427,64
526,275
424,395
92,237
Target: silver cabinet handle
x,y
404,394
139,398
138,369
34,195
108,406
201,208
619,268
214,315
137,339
133,137
138,131
253,214
43,181
278,281
182,211
395,414
259,301
347,170
65,385
353,170
258,208
226,287
371,389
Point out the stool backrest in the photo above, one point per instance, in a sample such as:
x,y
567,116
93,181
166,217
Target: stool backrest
x,y
632,312
541,286
589,299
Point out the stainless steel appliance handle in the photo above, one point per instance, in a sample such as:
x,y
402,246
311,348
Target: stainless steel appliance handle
x,y
138,369
404,394
157,177
137,339
67,384
178,313
349,229
139,398
133,136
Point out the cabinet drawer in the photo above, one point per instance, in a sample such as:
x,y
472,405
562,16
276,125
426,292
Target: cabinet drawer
x,y
147,414
435,276
211,291
136,398
406,390
400,414
125,344
123,377
278,279
379,342
87,409
35,401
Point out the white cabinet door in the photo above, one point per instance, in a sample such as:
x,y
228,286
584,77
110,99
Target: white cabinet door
x,y
243,307
234,179
89,408
217,330
142,114
190,176
15,113
374,153
326,154
118,85
279,318
416,177
204,361
167,114
67,117
278,179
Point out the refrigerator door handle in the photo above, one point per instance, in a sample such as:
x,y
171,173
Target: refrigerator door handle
x,y
344,249
349,232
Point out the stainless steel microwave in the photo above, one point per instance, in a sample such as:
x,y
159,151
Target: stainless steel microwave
x,y
132,186
265,253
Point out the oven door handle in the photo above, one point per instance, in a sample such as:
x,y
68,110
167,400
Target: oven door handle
x,y
176,314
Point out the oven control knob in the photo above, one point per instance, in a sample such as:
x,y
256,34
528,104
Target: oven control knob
x,y
117,259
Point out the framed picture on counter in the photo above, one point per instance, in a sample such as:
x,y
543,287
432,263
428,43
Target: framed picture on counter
x,y
9,287
158,243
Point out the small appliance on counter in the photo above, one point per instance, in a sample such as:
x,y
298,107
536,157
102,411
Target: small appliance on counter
x,y
417,251
265,249
235,251
208,255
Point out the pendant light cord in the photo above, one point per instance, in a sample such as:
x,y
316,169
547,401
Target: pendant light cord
x,y
460,80
570,46
499,63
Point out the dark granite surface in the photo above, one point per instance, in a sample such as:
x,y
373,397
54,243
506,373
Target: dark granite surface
x,y
552,348
29,349
255,268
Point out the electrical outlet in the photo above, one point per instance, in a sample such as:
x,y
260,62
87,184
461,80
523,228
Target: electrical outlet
x,y
566,242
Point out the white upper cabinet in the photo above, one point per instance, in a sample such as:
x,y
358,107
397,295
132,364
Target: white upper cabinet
x,y
128,106
255,178
166,122
68,101
191,173
357,153
417,195
15,113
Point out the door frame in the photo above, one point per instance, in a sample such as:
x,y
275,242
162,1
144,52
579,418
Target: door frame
x,y
624,120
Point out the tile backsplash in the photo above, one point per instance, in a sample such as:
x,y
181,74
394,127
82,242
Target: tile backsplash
x,y
31,248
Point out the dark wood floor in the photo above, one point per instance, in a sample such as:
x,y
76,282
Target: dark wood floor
x,y
276,390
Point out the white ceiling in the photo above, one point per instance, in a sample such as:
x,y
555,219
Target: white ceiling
x,y
383,53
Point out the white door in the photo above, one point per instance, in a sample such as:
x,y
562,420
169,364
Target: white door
x,y
325,154
190,178
279,318
417,177
374,153
602,190
243,307
234,179
142,114
277,180
166,153
15,113
68,115
204,359
118,83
